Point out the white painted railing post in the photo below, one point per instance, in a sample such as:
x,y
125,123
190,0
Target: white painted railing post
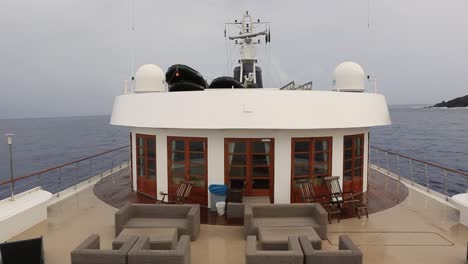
x,y
427,178
386,161
411,171
12,183
445,185
398,167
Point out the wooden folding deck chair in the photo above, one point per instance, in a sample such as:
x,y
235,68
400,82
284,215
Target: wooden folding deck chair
x,y
307,191
308,196
181,195
337,196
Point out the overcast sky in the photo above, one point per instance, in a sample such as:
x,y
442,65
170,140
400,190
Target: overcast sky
x,y
70,57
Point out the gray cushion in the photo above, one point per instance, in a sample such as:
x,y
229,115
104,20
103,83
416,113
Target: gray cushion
x,y
285,221
180,224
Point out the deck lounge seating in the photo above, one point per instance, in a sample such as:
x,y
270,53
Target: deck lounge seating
x,y
181,195
339,198
291,254
143,252
234,207
307,191
186,218
89,252
284,215
348,252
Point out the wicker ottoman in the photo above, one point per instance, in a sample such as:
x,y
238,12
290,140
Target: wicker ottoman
x,y
276,238
160,238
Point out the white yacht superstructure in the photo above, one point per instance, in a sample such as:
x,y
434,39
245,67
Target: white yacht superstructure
x,y
262,140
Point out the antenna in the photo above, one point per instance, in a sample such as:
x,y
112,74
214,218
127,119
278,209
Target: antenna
x,y
368,13
247,72
131,40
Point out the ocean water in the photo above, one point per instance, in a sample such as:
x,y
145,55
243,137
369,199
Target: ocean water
x,y
435,135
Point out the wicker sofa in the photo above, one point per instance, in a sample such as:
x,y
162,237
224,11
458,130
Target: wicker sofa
x,y
291,254
348,252
284,215
142,252
186,218
89,252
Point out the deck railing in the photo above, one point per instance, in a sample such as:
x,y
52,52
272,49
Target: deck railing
x,y
430,176
70,174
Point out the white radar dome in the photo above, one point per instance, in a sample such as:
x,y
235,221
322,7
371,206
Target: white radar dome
x,y
349,77
149,78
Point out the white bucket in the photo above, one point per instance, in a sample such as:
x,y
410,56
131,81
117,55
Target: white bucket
x,y
220,207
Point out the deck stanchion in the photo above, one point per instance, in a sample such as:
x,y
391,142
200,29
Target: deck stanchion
x,y
445,185
39,179
75,176
59,182
427,178
398,167
90,169
466,183
411,171
12,182
386,161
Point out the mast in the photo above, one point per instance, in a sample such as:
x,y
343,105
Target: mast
x,y
248,72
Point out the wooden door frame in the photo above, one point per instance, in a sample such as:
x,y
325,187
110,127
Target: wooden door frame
x,y
187,140
131,160
146,177
311,152
249,155
351,182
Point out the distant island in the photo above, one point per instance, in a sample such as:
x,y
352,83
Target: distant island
x,y
457,102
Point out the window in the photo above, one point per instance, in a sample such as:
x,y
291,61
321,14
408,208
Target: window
x,y
353,162
311,159
188,160
146,155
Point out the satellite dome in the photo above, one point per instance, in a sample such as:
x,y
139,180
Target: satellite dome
x,y
349,77
149,78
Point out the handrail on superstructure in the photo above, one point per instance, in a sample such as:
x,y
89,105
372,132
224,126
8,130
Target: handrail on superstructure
x,y
112,159
60,166
449,182
421,161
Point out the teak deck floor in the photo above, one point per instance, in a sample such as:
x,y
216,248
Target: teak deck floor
x,y
383,193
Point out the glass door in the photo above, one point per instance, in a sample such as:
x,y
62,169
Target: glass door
x,y
353,161
310,159
187,161
249,165
146,164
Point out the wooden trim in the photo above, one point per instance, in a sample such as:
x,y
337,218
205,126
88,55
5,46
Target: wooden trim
x,y
131,161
